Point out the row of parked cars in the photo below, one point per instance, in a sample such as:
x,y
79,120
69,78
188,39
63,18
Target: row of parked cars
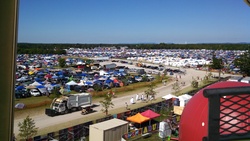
x,y
27,93
124,81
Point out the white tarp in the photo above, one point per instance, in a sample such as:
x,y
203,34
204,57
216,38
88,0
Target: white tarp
x,y
169,96
102,72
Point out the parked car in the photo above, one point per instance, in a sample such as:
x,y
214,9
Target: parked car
x,y
35,92
22,94
80,89
138,78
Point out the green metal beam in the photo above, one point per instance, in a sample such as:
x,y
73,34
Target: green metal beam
x,y
8,43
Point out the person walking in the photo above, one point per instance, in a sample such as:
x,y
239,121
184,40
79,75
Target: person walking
x,y
137,97
132,100
142,97
126,106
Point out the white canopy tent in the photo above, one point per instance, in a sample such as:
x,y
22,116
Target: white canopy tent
x,y
169,96
82,83
102,72
71,83
49,87
35,84
184,99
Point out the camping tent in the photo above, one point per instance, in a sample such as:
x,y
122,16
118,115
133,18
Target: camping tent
x,y
35,84
19,106
48,76
30,87
54,77
169,96
138,118
81,83
71,83
49,87
20,87
89,83
150,114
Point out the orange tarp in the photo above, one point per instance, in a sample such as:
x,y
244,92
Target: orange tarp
x,y
138,118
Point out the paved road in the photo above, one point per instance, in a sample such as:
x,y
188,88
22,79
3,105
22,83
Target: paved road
x,y
43,121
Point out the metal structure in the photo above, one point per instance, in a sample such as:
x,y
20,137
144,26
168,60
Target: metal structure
x,y
247,2
229,113
8,43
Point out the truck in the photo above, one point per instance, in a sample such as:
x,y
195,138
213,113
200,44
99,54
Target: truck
x,y
110,66
69,103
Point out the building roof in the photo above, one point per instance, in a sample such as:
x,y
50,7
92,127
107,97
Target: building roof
x,y
109,124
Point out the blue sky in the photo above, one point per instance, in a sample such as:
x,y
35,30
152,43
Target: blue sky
x,y
133,21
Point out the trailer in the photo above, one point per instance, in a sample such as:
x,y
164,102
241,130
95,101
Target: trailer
x,y
110,66
69,103
235,79
245,80
86,109
110,130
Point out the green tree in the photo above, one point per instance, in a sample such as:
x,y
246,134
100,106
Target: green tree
x,y
205,80
62,62
195,83
209,75
176,87
27,128
150,91
107,103
243,62
217,64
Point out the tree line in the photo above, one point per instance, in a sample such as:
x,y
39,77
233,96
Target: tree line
x,y
26,48
31,48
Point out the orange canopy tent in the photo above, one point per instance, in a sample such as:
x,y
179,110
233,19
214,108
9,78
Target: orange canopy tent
x,y
138,118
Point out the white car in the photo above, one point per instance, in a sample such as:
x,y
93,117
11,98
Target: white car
x,y
35,92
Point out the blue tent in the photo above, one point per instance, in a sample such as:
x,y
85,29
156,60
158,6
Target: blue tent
x,y
20,88
84,74
38,79
121,70
54,77
109,81
55,85
123,74
98,82
59,73
40,73
88,83
110,72
40,86
61,76
116,73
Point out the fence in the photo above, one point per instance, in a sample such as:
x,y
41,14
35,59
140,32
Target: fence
x,y
82,130
229,110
